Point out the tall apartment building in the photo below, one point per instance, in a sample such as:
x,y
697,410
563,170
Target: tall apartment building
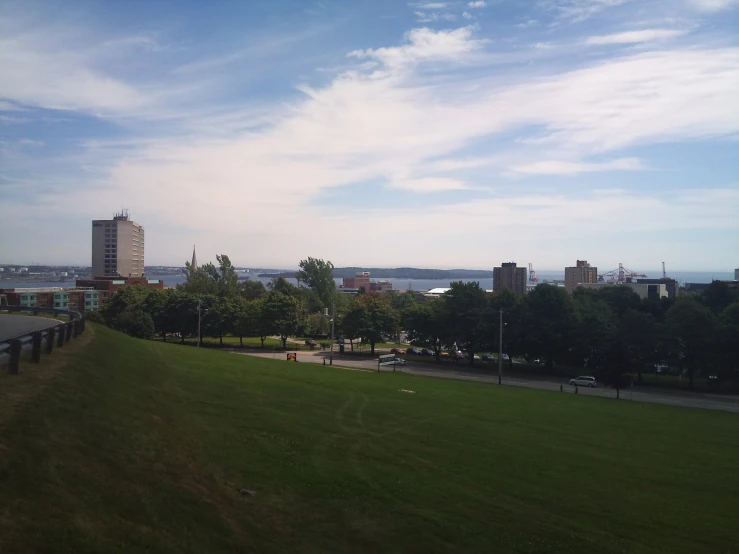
x,y
508,276
581,273
117,247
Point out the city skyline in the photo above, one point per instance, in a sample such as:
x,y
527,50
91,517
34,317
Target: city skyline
x,y
444,134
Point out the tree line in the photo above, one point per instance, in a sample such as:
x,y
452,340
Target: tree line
x,y
610,332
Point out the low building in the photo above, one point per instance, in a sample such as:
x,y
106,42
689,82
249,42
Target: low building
x,y
79,300
671,285
435,293
736,275
108,285
644,290
381,286
361,280
582,272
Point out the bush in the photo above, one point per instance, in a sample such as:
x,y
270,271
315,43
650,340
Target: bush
x,y
95,317
136,323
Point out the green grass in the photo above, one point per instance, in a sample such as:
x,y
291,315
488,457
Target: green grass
x,y
138,446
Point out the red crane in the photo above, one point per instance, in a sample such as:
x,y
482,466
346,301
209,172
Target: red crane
x,y
620,275
532,275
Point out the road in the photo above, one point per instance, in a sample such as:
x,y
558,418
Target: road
x,y
12,326
489,374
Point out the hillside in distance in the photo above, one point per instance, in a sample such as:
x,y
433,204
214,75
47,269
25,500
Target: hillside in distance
x,y
401,273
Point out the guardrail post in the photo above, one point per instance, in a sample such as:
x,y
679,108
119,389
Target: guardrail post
x,y
71,316
36,347
50,339
75,328
15,357
60,341
69,332
82,324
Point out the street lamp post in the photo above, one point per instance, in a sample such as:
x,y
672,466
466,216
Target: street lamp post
x,y
500,350
333,317
198,323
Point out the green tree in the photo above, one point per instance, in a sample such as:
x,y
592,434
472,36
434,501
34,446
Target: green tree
x,y
691,328
181,312
464,308
125,299
549,318
136,323
253,290
245,319
638,332
319,276
371,318
199,281
426,324
403,304
718,296
280,315
155,305
511,304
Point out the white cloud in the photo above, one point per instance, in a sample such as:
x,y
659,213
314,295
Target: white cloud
x,y
713,5
430,184
477,4
467,15
31,142
527,24
424,17
425,45
431,6
553,167
579,10
630,37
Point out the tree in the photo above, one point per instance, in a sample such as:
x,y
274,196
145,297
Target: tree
x,y
245,319
464,308
511,304
426,323
155,305
638,332
280,315
371,318
718,296
282,285
129,299
549,317
691,328
217,318
253,290
181,310
199,281
403,304
319,276
136,323
595,332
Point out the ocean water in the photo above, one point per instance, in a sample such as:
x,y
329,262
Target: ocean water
x,y
414,284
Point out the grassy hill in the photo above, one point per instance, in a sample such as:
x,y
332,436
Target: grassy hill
x,y
137,446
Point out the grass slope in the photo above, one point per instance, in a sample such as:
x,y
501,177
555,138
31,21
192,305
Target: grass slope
x,y
142,446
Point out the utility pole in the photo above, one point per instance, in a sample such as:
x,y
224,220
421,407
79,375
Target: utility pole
x,y
500,350
333,317
198,322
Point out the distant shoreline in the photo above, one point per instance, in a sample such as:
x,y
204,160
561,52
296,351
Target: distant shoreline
x,y
396,273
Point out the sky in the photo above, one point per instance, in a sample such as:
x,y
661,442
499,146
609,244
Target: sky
x,y
374,133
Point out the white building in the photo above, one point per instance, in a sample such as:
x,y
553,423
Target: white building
x,y
117,247
642,289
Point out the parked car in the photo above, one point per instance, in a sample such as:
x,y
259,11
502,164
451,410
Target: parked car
x,y
427,352
457,355
444,354
584,381
400,361
414,351
398,351
506,358
474,356
488,358
311,343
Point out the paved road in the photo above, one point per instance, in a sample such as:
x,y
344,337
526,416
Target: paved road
x,y
488,374
12,326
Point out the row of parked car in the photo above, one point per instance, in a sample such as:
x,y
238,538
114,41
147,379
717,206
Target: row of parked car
x,y
453,354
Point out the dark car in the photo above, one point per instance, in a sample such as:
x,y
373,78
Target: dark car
x,y
488,358
427,352
414,351
311,343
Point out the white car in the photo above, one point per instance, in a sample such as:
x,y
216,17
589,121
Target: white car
x,y
584,381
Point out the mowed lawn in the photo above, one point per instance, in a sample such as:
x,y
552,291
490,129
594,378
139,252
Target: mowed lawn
x,y
138,446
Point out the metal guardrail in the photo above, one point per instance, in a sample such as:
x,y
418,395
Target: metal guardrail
x,y
46,339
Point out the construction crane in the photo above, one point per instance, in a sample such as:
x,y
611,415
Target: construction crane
x,y
532,275
620,275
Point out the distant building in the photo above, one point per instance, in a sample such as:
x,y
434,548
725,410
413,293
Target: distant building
x,y
117,247
671,285
194,263
78,300
644,290
381,286
108,286
510,277
581,273
736,275
362,280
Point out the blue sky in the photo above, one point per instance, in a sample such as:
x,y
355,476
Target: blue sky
x,y
379,133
